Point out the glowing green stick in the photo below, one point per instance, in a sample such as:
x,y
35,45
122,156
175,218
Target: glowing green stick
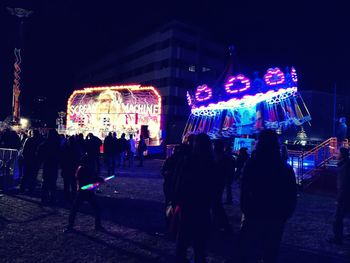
x,y
92,186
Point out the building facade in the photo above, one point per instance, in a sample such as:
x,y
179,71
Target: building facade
x,y
174,58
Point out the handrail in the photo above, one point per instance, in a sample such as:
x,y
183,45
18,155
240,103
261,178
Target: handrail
x,y
325,143
318,166
321,153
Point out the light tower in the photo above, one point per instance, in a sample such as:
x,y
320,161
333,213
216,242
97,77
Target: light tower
x,y
21,14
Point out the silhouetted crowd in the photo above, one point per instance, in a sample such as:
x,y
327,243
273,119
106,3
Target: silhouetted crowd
x,y
198,176
53,153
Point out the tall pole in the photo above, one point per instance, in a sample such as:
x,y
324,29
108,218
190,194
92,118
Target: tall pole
x,y
334,109
21,14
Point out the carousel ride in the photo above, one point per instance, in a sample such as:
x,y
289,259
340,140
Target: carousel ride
x,y
239,105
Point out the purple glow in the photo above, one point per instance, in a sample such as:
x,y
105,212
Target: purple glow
x,y
203,93
236,82
294,75
189,101
274,76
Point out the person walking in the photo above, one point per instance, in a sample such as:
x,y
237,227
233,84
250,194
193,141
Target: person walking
x,y
85,175
268,200
343,196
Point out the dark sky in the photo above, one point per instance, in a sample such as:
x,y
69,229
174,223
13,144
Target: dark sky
x,y
63,36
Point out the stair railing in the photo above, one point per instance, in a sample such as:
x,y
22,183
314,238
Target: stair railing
x,y
319,156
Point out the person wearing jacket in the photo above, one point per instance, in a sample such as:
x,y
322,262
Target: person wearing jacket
x,y
85,175
30,161
108,152
268,200
224,168
93,144
70,156
49,156
193,195
141,148
343,196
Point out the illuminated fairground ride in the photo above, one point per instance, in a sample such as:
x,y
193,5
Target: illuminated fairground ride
x,y
130,109
241,106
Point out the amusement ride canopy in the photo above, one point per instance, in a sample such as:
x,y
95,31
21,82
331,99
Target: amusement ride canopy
x,y
238,105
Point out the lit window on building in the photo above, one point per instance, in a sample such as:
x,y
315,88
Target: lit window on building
x,y
192,68
205,69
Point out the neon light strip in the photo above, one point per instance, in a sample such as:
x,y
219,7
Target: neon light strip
x,y
247,100
203,89
274,76
231,82
294,75
189,101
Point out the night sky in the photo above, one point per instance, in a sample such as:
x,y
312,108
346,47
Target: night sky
x,y
64,36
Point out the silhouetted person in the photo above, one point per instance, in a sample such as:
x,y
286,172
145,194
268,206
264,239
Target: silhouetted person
x,y
85,175
108,152
342,130
93,144
284,153
230,175
30,161
70,156
242,158
131,150
224,168
193,195
268,199
123,144
141,148
81,143
49,154
343,196
168,172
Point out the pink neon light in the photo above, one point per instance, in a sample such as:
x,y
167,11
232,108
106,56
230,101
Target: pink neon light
x,y
189,101
294,75
274,76
236,81
203,93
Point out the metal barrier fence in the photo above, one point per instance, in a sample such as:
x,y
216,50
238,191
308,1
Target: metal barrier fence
x,y
9,170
